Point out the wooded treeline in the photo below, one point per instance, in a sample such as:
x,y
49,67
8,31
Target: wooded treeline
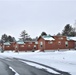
x,y
68,30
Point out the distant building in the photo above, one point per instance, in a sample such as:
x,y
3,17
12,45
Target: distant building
x,y
8,46
28,45
56,42
46,42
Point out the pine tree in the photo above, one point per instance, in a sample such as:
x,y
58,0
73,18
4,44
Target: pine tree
x,y
68,31
24,35
4,38
43,33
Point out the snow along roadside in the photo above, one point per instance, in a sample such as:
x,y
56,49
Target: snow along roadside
x,y
40,67
14,71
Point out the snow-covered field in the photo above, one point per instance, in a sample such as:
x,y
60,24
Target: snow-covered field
x,y
62,60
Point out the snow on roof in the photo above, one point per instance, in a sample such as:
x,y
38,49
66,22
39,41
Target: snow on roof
x,y
19,42
71,38
6,43
48,38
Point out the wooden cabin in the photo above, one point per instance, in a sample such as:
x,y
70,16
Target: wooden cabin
x,y
55,43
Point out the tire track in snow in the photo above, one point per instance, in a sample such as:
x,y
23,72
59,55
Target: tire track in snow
x,y
59,71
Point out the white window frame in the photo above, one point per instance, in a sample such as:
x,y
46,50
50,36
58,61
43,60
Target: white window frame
x,y
59,42
36,42
66,43
50,42
22,46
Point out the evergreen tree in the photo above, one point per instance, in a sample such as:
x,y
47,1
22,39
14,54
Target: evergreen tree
x,y
59,34
68,31
4,38
43,33
11,39
24,36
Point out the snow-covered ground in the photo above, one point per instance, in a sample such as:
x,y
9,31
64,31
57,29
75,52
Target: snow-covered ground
x,y
62,60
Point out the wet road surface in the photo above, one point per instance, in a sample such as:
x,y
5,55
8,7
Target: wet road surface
x,y
24,69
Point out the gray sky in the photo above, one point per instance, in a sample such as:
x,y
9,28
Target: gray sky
x,y
35,16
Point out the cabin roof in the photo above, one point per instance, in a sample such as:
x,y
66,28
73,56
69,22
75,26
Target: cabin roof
x,y
71,38
20,42
48,38
6,43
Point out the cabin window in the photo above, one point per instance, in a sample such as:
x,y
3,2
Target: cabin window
x,y
28,45
61,38
16,46
59,42
66,43
41,44
8,46
36,42
50,42
34,46
22,45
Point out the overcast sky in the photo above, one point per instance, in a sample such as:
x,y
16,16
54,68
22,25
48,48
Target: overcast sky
x,y
35,16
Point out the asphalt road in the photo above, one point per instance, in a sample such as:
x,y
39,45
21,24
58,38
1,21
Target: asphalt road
x,y
22,68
